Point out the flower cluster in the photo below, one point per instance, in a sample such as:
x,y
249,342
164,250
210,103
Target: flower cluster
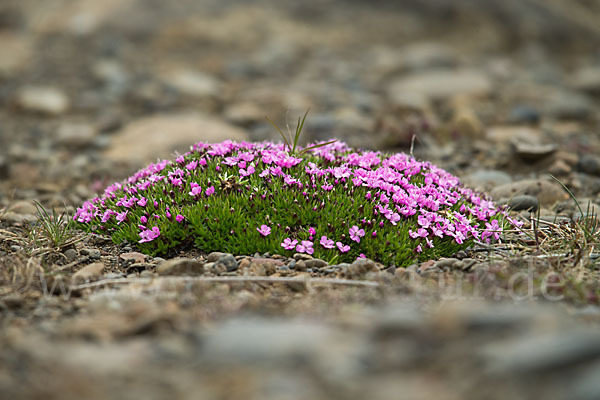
x,y
334,203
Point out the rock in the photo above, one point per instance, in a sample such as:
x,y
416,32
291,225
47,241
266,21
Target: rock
x,y
302,256
13,218
524,114
465,124
543,352
214,256
110,72
15,53
244,114
590,164
4,168
93,254
547,192
71,255
259,268
180,266
43,99
514,134
23,207
446,263
441,85
133,256
229,261
522,202
569,105
588,80
423,55
299,266
533,152
78,134
267,341
315,263
193,83
486,179
161,135
88,273
359,269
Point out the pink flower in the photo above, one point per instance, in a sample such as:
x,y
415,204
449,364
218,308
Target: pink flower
x,y
289,244
149,235
179,218
121,217
356,233
343,248
209,191
196,189
264,230
246,172
419,249
192,165
327,243
305,247
143,219
311,231
142,202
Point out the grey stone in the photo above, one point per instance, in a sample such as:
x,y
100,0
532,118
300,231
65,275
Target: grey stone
x,y
590,164
546,191
534,152
299,265
315,263
524,114
76,134
43,99
440,85
486,179
93,254
522,202
543,353
567,105
228,261
180,266
214,256
71,254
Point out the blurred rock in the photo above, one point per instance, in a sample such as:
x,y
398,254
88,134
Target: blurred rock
x,y
193,83
441,85
522,202
514,134
76,134
15,52
485,180
524,114
88,273
590,164
180,266
161,135
547,192
532,152
588,80
569,105
42,99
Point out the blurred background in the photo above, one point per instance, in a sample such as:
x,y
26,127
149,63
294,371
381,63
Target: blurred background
x,y
498,92
86,82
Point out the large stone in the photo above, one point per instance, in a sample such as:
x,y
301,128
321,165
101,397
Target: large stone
x,y
76,134
547,192
193,83
441,85
180,266
146,139
88,273
43,99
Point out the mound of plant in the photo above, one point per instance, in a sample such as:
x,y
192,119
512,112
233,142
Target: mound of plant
x,y
327,200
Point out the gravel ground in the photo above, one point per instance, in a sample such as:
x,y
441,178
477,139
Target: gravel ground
x,y
501,93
